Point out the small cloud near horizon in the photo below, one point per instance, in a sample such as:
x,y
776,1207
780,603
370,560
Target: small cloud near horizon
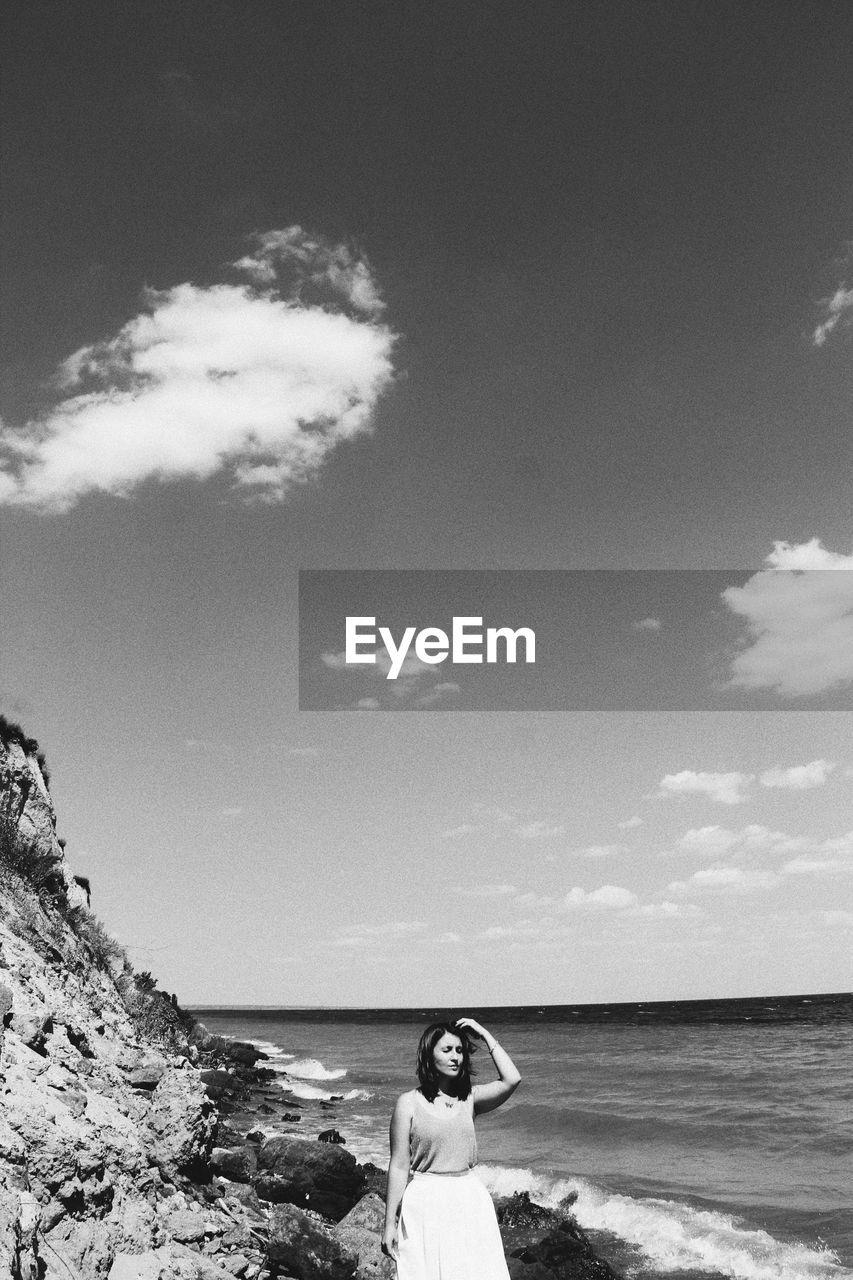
x,y
630,823
608,896
801,777
647,624
538,830
723,788
601,850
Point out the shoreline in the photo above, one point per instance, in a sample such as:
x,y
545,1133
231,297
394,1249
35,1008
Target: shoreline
x,y
617,1221
271,1109
262,1148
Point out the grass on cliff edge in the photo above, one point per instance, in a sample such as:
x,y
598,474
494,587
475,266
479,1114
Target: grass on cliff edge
x,y
34,901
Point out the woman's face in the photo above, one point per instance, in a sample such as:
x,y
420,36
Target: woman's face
x,y
447,1056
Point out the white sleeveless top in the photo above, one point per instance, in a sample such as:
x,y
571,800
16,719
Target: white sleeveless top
x,y
441,1139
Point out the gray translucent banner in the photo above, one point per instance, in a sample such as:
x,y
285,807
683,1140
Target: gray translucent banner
x,y
575,640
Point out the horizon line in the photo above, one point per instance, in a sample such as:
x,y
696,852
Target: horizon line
x,y
592,1004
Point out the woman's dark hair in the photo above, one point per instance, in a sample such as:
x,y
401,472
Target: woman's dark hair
x,y
427,1074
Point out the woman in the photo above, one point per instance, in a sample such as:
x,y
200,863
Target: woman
x,y
447,1229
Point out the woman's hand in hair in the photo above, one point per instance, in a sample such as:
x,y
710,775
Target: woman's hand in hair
x,y
489,1096
480,1032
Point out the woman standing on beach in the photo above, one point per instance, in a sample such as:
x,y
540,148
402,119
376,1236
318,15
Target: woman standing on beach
x,y
447,1228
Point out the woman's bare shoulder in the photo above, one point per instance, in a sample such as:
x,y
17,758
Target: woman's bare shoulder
x,y
405,1103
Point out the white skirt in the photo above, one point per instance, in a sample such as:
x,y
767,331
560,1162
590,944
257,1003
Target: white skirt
x,y
448,1230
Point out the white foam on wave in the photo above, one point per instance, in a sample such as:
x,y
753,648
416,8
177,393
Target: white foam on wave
x,y
274,1050
674,1236
313,1069
311,1091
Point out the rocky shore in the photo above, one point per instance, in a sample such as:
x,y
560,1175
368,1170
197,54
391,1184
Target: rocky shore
x,y
134,1145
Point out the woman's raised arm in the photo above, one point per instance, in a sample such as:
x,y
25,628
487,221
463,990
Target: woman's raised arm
x,y
489,1096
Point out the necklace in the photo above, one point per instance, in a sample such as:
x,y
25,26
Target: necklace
x,y
448,1102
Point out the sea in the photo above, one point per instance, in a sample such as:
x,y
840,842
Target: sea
x,y
700,1138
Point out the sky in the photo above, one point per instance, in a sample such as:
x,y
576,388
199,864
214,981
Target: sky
x,y
310,286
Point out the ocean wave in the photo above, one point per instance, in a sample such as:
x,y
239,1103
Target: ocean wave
x,y
273,1050
310,1092
313,1069
674,1236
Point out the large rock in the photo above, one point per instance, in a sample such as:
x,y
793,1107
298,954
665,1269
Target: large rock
x,y
240,1164
374,1178
313,1174
149,1075
243,1052
361,1234
564,1253
306,1247
181,1122
522,1220
218,1083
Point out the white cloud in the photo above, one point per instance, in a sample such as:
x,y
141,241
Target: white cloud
x,y
630,823
501,932
810,866
838,844
647,624
725,788
726,879
360,935
667,910
233,811
407,686
539,830
486,891
303,753
800,777
245,382
752,839
757,838
707,840
799,620
610,896
601,850
837,310
317,263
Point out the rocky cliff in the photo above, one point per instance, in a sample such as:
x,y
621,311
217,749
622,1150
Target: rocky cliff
x,y
103,1117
